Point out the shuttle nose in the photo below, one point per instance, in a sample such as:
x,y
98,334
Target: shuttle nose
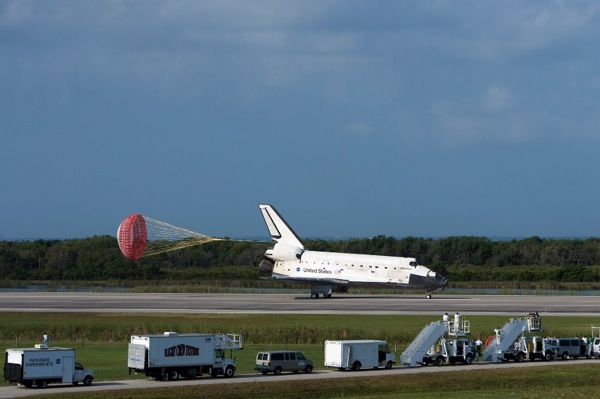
x,y
440,281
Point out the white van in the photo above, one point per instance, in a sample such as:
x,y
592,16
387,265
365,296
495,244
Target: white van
x,y
278,361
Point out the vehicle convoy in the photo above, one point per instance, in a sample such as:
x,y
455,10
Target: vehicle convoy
x,y
42,365
171,355
355,355
278,361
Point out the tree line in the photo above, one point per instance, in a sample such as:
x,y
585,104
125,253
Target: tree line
x,y
459,258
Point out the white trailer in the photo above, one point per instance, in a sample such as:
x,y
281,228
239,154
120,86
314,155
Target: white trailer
x,y
356,354
42,365
171,355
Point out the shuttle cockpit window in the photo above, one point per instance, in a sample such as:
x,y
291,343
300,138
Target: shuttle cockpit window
x,y
414,263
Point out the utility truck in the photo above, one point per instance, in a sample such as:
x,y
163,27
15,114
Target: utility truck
x,y
531,348
42,365
354,355
452,351
171,355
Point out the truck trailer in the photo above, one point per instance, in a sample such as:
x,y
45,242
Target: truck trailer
x,y
42,365
171,355
354,355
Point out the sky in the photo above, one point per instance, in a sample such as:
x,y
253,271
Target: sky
x,y
353,118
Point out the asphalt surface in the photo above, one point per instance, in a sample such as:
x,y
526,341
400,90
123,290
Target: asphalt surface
x,y
16,392
296,303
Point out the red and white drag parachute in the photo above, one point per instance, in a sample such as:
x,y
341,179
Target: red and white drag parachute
x,y
133,236
140,235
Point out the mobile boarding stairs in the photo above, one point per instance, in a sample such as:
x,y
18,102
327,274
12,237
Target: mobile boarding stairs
x,y
419,347
507,335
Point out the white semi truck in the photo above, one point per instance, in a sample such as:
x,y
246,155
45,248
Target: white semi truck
x,y
358,354
171,355
42,365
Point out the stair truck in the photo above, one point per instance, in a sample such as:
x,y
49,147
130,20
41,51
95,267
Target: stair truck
x,y
433,345
452,351
42,365
500,347
171,355
355,355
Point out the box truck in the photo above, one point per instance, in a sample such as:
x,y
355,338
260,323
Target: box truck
x,y
42,365
356,354
171,355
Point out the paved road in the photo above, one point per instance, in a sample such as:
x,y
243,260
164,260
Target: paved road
x,y
15,392
300,304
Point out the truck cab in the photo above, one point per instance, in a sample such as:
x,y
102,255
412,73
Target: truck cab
x,y
460,350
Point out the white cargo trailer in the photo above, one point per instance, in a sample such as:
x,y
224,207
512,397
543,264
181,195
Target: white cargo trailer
x,y
42,365
357,354
171,355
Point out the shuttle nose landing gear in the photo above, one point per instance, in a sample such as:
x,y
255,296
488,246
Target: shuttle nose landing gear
x,y
325,290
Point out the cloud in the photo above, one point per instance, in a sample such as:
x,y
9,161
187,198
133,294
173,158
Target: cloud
x,y
497,99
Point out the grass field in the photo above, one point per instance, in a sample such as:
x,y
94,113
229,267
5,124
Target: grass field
x,y
101,344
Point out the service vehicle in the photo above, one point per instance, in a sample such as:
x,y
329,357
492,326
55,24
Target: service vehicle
x,y
357,354
42,365
566,347
529,348
452,351
171,355
277,362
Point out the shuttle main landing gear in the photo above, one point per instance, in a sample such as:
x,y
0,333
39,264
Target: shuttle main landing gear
x,y
325,290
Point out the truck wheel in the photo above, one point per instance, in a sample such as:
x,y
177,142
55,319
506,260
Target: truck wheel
x,y
277,370
264,372
468,360
314,295
87,381
519,358
565,356
547,356
389,365
356,366
308,369
439,361
41,384
229,372
172,375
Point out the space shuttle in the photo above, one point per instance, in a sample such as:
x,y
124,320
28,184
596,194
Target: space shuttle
x,y
289,260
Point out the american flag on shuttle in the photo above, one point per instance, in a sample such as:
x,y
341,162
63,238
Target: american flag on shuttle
x,y
338,271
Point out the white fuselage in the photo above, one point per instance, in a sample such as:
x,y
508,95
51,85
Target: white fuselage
x,y
354,268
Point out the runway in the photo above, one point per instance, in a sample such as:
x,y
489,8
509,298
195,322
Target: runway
x,y
297,303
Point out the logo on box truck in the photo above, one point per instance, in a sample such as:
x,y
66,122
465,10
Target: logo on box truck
x,y
182,350
39,362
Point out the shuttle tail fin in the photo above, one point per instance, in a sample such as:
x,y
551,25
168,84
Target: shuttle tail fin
x,y
278,228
